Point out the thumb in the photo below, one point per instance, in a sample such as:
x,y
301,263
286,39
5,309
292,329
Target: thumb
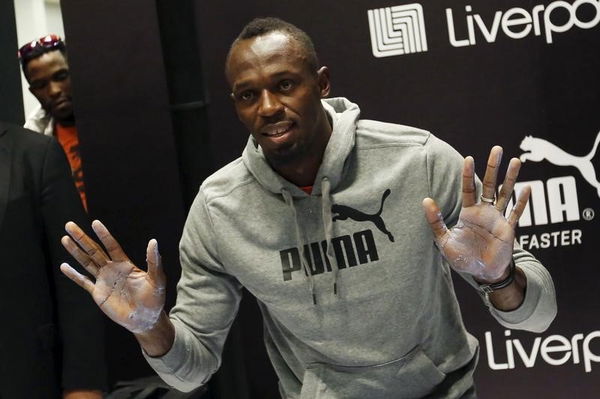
x,y
435,219
154,261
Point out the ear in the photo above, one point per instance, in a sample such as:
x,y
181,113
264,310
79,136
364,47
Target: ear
x,y
237,113
324,82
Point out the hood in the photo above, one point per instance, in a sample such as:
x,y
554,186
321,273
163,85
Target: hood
x,y
344,115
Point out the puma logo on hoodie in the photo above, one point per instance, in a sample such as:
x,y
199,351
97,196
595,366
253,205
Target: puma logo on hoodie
x,y
343,212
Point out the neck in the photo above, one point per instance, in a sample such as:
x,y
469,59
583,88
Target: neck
x,y
68,121
302,171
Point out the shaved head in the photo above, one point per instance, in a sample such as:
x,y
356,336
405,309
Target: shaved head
x,y
264,26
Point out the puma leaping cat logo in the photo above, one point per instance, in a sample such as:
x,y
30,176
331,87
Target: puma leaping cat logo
x,y
343,212
541,149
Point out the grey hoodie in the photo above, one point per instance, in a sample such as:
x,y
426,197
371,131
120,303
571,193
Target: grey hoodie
x,y
370,311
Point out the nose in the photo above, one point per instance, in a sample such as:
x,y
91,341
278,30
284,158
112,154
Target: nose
x,y
269,105
54,89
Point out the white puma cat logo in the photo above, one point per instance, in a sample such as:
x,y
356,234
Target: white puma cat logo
x,y
541,149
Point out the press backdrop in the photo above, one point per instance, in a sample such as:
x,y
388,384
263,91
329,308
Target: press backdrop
x,y
521,74
154,119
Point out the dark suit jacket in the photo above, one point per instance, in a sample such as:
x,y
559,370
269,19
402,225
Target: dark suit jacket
x,y
51,336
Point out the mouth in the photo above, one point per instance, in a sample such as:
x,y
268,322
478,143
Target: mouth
x,y
278,129
60,103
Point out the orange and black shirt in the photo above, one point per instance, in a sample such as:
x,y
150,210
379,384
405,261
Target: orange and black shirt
x,y
68,139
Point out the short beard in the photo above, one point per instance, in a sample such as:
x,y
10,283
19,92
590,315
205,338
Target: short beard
x,y
68,120
286,156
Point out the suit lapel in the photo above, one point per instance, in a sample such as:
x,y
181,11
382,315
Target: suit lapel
x,y
5,162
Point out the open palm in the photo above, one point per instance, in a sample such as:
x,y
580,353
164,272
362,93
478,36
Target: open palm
x,y
128,295
481,242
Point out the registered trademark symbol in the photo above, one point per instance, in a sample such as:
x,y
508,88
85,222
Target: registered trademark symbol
x,y
588,214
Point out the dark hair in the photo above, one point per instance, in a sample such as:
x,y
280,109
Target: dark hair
x,y
38,51
263,26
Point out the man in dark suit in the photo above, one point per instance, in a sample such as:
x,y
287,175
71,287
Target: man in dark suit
x,y
51,341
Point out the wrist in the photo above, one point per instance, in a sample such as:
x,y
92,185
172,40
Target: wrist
x,y
511,297
159,339
507,278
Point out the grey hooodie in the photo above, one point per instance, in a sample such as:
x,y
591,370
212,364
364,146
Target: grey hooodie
x,y
375,318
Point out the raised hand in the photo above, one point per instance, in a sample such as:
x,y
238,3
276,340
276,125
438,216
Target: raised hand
x,y
128,295
481,242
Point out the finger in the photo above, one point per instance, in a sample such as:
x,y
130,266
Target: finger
x,y
113,248
77,277
81,257
509,183
94,251
517,211
154,261
468,183
435,219
491,172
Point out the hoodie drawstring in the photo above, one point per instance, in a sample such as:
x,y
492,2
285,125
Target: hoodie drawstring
x,y
326,203
300,243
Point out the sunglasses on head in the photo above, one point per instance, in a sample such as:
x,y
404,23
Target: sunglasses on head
x,y
47,42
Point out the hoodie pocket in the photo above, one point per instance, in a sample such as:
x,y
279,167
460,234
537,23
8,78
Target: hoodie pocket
x,y
412,376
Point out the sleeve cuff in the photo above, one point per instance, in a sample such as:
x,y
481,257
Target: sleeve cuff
x,y
537,310
168,362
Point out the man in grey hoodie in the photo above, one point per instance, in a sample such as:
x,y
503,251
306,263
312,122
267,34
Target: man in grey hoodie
x,y
322,220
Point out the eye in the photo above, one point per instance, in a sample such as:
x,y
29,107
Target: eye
x,y
286,85
246,96
60,75
37,84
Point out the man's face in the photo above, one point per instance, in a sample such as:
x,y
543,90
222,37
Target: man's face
x,y
50,83
278,97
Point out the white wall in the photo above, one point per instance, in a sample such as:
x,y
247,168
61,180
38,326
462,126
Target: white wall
x,y
36,18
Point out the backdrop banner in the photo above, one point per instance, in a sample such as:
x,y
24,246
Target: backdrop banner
x,y
521,74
